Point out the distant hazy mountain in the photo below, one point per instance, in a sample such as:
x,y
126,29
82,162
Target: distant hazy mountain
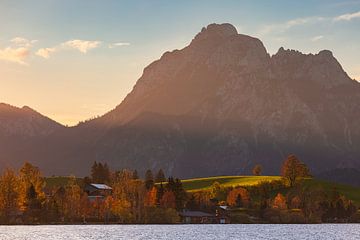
x,y
220,106
21,131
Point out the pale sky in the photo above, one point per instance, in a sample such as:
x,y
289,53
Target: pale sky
x,y
73,60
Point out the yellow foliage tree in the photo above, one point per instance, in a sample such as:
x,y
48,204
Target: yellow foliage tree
x,y
30,175
72,205
8,194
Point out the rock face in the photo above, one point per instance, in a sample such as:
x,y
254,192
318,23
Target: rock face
x,y
220,106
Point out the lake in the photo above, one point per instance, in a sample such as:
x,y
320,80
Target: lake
x,y
188,232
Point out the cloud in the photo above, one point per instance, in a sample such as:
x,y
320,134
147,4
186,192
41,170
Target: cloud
x,y
22,42
45,52
17,51
16,55
82,45
282,27
347,17
119,44
317,38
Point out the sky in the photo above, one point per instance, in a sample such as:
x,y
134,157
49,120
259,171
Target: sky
x,y
74,60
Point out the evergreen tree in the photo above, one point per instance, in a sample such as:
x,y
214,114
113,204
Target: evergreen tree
x,y
135,175
106,174
100,173
160,176
149,179
238,201
160,193
94,172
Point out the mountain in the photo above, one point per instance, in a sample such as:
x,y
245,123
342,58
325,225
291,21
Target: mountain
x,y
218,107
21,131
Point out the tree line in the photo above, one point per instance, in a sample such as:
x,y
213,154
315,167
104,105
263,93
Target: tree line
x,y
26,199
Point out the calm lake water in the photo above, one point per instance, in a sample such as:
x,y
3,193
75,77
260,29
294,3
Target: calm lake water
x,y
188,232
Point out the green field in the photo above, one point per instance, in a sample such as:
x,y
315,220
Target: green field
x,y
197,184
60,181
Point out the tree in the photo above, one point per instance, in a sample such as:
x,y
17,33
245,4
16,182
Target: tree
x,y
135,175
215,190
161,216
100,173
238,201
279,202
30,176
72,204
234,195
105,174
293,168
257,170
149,179
168,200
8,194
180,194
160,193
94,172
150,198
160,176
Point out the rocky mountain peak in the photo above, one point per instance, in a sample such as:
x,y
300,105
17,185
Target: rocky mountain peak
x,y
321,69
224,30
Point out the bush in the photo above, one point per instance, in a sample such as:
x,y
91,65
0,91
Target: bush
x,y
156,215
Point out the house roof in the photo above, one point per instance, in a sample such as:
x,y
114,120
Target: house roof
x,y
101,186
224,207
195,214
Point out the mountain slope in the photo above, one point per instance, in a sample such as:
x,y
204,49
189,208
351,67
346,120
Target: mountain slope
x,y
22,134
222,104
218,107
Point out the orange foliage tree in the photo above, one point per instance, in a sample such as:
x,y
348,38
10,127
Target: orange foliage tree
x,y
168,200
293,168
236,195
279,202
150,198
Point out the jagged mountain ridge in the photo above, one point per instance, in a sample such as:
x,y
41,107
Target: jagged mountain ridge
x,y
220,106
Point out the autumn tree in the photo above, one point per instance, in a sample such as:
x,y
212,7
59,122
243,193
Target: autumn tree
x,y
257,170
160,176
30,178
203,199
168,200
215,190
234,195
129,195
175,186
8,194
279,202
33,205
72,203
293,169
149,179
150,198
